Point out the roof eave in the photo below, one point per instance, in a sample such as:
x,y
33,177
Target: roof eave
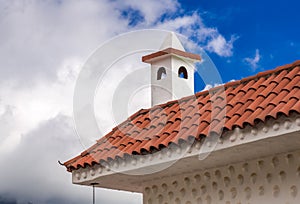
x,y
234,146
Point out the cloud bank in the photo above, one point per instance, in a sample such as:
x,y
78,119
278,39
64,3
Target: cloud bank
x,y
43,46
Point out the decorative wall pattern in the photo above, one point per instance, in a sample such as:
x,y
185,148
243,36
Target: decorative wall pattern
x,y
274,179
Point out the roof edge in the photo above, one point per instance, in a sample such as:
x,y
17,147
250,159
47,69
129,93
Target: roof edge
x,y
172,51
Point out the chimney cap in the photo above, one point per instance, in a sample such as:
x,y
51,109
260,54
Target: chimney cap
x,y
172,41
170,51
171,46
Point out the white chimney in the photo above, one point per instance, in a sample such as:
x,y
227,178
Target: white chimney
x,y
172,71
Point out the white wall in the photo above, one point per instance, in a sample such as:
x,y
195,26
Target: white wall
x,y
274,179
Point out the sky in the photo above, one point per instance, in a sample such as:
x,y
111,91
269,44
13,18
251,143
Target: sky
x,y
44,44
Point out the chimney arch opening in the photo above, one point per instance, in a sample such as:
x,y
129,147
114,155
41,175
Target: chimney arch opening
x,y
182,73
161,73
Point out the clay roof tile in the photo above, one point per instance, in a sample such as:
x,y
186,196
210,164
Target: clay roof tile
x,y
235,104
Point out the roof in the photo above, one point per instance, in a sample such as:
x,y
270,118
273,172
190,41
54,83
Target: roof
x,y
240,103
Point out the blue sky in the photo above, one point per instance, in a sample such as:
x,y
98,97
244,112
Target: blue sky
x,y
43,45
265,34
267,26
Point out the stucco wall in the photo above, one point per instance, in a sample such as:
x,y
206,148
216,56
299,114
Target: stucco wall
x,y
274,179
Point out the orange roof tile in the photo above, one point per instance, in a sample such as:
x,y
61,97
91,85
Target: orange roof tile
x,y
245,102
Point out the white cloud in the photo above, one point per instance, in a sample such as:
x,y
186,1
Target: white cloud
x,y
36,36
207,37
151,10
32,173
181,24
221,46
26,107
253,62
209,86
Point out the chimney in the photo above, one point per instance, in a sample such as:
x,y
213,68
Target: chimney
x,y
172,71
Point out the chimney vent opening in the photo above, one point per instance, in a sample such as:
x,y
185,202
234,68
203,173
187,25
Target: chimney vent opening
x,y
161,73
182,73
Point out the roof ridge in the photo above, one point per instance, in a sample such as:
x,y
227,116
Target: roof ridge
x,y
256,76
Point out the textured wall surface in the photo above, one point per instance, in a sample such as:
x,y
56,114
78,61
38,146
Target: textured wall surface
x,y
274,179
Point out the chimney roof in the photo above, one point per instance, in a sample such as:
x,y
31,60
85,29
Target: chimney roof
x,y
171,46
171,41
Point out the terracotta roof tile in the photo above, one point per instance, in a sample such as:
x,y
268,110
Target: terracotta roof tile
x,y
244,102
